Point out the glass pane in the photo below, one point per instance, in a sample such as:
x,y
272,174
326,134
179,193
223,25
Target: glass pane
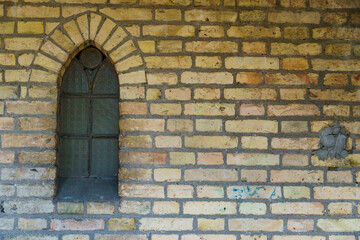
x,y
74,116
74,157
106,80
105,116
104,156
74,80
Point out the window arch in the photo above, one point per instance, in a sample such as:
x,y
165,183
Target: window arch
x,y
88,128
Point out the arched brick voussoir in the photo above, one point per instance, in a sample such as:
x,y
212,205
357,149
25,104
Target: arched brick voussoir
x,y
90,28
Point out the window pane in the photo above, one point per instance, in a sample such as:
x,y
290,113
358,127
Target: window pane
x,y
105,116
104,157
106,80
74,80
74,157
74,116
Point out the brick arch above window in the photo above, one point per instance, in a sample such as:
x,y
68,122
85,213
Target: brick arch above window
x,y
69,38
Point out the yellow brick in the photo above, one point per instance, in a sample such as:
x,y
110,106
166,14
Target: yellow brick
x,y
337,79
293,3
295,64
180,191
250,78
249,208
209,125
25,59
166,224
167,175
144,125
207,93
128,92
254,126
147,46
251,63
7,59
339,177
249,175
182,158
141,191
295,143
208,62
30,27
210,109
43,92
211,31
294,126
126,14
47,63
254,47
180,125
167,14
250,94
207,78
166,208
168,142
153,94
252,159
205,224
254,32
211,46
132,77
340,208
222,142
9,92
121,224
252,110
293,110
17,75
207,2
169,46
210,16
298,208
296,33
250,224
113,41
299,17
135,174
293,192
33,107
294,176
256,3
6,123
336,110
296,49
105,31
335,18
335,65
252,16
27,140
338,49
249,142
100,208
168,62
169,30
136,141
209,208
292,94
161,78
68,11
54,51
7,27
37,124
42,76
210,192
166,2
33,12
165,108
22,43
134,207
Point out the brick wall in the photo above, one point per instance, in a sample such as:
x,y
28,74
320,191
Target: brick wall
x,y
221,105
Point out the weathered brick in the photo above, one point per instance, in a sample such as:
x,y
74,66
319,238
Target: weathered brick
x,y
147,46
7,224
297,237
300,225
146,158
295,33
209,208
340,208
207,93
334,95
295,143
7,27
36,157
339,176
180,125
293,176
254,47
166,224
249,208
335,18
211,46
248,175
209,125
336,33
253,192
295,64
253,126
310,49
134,207
141,191
28,206
210,192
162,78
251,63
337,49
35,190
293,110
33,12
334,4
254,32
135,141
167,207
209,109
76,225
206,224
180,191
121,224
182,158
252,159
211,31
169,46
210,16
169,30
133,108
165,2
295,192
178,94
222,142
130,124
167,175
211,175
126,14
208,62
32,224
7,190
250,94
252,110
295,160
27,140
100,208
336,79
252,16
134,174
297,208
28,173
210,158
168,62
251,224
70,208
294,17
337,193
339,225
120,237
206,78
167,14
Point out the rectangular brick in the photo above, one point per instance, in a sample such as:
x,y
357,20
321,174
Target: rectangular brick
x,y
210,16
251,224
310,49
126,14
144,125
37,157
251,63
253,126
28,173
141,191
169,30
222,142
34,107
77,225
293,110
337,193
295,143
338,225
253,159
146,158
134,207
28,207
211,46
33,12
207,78
209,208
254,192
166,224
300,176
211,175
250,94
168,62
297,208
299,17
133,108
334,4
209,109
27,140
255,32
335,65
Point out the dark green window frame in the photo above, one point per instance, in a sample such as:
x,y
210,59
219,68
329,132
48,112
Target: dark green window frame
x,y
88,129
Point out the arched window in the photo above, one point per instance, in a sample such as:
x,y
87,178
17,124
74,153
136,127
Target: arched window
x,y
88,129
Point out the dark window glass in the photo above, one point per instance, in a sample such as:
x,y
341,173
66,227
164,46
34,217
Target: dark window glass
x,y
88,127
